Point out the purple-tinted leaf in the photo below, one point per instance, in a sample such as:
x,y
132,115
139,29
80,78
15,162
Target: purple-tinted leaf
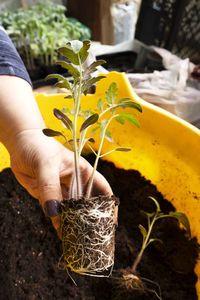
x,y
89,121
71,140
93,67
51,133
68,97
87,84
91,140
123,149
61,116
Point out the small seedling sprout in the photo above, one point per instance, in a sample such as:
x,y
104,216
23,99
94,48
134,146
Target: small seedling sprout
x,y
129,280
151,219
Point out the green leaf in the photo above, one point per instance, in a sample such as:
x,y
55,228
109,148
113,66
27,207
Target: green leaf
x,y
123,149
91,140
161,214
100,104
61,116
87,84
69,53
67,110
156,203
149,215
84,51
51,133
62,85
94,129
72,70
102,126
111,93
57,76
155,240
113,110
91,120
76,45
143,231
93,67
130,104
63,82
108,136
86,113
123,100
121,118
68,97
182,218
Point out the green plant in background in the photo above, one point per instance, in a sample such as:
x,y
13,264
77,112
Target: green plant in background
x,y
39,30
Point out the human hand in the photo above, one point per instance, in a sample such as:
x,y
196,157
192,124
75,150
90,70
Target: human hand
x,y
44,168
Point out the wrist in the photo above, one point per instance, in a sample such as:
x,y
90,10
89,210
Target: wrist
x,y
15,138
19,109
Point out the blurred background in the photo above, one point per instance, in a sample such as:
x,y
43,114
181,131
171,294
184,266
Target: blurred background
x,y
155,37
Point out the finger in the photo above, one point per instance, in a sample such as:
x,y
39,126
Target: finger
x,y
65,191
56,224
50,194
29,183
101,186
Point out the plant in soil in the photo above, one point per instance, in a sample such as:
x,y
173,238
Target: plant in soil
x,y
128,279
88,223
30,249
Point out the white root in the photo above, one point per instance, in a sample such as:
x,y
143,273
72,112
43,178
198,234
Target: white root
x,y
88,235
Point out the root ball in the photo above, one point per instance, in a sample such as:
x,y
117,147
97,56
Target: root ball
x,y
88,235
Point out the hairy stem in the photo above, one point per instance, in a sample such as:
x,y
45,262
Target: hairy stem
x,y
89,189
109,108
76,150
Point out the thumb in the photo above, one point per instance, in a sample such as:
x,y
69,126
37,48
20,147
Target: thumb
x,y
50,193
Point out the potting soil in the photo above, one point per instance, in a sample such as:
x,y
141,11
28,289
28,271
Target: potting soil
x,y
30,249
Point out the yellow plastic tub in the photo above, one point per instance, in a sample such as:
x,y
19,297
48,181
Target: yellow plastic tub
x,y
165,150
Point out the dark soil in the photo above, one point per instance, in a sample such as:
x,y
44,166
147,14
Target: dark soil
x,y
30,249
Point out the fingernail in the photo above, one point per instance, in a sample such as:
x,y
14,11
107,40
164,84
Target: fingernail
x,y
51,208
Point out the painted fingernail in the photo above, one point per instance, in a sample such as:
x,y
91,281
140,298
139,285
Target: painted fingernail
x,y
51,208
